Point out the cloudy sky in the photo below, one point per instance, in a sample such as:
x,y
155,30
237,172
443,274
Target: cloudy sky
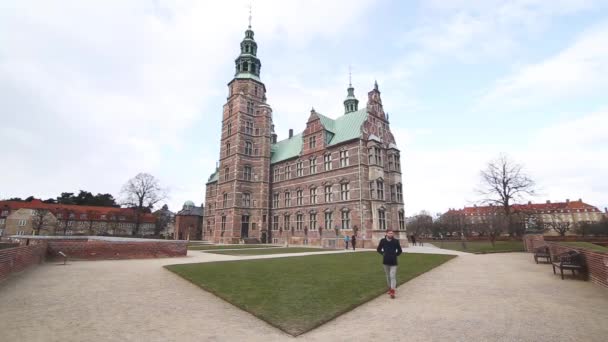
x,y
93,92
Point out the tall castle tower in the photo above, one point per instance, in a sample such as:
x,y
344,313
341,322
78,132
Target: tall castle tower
x,y
240,195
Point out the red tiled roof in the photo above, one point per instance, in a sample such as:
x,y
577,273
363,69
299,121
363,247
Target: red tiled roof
x,y
568,206
76,209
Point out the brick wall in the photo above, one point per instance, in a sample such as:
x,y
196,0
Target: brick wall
x,y
597,263
19,258
96,250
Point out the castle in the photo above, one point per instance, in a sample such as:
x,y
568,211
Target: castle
x,y
338,177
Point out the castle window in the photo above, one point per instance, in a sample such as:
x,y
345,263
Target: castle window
x,y
312,142
345,219
276,177
223,226
313,166
299,197
226,173
246,200
299,221
253,68
250,107
275,200
299,169
228,148
372,190
380,189
378,153
329,196
344,158
225,200
245,66
313,196
229,128
247,173
399,193
381,219
255,90
287,199
275,222
397,163
249,127
230,106
313,221
344,191
288,172
248,148
327,161
393,187
286,221
328,220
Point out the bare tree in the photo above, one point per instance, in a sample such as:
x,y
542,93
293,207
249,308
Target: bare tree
x,y
420,224
42,220
141,193
66,219
554,222
493,225
503,182
91,216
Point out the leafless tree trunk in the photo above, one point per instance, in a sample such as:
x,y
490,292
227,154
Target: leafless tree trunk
x,y
503,182
41,221
141,193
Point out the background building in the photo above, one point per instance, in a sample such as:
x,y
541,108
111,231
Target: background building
x,y
535,214
338,176
189,222
37,217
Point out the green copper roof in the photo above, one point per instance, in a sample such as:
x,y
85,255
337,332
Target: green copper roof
x,y
246,75
286,149
344,128
214,176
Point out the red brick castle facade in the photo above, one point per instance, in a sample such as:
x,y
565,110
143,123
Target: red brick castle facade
x,y
339,176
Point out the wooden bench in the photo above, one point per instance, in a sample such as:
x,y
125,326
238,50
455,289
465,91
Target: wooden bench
x,y
571,260
542,253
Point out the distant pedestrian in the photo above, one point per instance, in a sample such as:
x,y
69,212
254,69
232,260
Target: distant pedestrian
x,y
390,249
346,239
353,241
413,240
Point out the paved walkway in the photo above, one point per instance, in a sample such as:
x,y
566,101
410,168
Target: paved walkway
x,y
499,297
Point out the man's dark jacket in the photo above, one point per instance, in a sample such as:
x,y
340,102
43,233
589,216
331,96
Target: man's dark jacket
x,y
390,250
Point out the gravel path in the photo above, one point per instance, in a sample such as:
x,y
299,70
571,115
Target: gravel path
x,y
500,297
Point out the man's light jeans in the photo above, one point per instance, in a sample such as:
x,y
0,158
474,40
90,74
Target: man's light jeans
x,y
391,275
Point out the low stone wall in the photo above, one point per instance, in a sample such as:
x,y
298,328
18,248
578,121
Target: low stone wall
x,y
597,263
17,259
100,249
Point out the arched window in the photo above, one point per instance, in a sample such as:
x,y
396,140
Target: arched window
x,y
247,173
246,200
248,148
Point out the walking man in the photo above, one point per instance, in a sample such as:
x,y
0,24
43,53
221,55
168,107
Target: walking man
x,y
346,239
390,249
413,239
353,241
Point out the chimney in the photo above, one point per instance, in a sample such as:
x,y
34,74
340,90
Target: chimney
x,y
274,138
529,202
567,200
580,200
548,202
290,133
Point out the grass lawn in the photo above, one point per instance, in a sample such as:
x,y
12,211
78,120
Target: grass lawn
x,y
297,294
586,245
481,247
271,251
215,247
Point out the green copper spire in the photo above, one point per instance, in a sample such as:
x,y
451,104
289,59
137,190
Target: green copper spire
x,y
247,64
351,103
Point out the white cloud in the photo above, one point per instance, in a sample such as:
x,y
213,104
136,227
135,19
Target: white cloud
x,y
579,70
95,92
